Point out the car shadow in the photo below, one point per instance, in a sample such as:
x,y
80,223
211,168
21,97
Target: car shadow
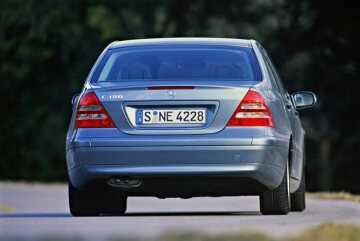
x,y
132,214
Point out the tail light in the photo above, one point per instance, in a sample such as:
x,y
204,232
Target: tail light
x,y
91,113
252,111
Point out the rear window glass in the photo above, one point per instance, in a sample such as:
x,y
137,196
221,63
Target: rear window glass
x,y
140,63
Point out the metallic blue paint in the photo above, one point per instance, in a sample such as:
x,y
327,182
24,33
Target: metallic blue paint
x,y
213,150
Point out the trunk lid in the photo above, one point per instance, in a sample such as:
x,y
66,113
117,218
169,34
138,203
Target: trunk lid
x,y
125,102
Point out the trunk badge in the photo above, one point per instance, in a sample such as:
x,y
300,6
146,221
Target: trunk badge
x,y
170,94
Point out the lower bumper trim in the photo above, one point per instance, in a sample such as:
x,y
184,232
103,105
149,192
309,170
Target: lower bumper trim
x,y
268,176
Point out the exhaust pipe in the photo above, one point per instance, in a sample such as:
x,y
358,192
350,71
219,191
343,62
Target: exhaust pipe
x,y
124,182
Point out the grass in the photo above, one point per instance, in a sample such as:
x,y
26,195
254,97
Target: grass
x,y
5,209
201,237
330,232
325,232
335,195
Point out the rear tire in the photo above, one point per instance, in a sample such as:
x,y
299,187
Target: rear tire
x,y
277,201
113,202
298,202
82,203
87,203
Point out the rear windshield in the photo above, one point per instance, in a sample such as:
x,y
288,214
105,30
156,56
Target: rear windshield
x,y
144,63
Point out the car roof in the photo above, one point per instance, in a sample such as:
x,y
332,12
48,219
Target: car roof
x,y
182,41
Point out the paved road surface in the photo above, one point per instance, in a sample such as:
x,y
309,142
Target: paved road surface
x,y
30,210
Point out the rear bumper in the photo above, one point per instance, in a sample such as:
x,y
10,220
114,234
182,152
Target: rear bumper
x,y
224,170
189,180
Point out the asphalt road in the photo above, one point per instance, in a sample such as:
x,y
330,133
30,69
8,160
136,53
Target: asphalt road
x,y
30,210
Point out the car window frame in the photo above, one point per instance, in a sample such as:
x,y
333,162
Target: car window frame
x,y
271,74
274,72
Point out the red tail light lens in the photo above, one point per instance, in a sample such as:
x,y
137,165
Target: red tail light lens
x,y
252,111
91,113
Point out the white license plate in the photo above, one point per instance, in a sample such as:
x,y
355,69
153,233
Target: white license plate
x,y
183,116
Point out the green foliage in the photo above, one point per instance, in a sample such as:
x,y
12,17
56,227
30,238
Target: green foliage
x,y
48,47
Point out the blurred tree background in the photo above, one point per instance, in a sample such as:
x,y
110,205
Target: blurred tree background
x,y
48,47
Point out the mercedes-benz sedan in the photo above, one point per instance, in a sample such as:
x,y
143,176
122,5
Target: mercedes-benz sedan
x,y
185,117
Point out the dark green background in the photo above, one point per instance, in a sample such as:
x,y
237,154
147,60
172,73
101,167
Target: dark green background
x,y
48,47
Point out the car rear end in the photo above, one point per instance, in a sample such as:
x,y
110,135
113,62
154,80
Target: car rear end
x,y
177,120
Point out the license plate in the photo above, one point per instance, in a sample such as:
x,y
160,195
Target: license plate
x,y
183,116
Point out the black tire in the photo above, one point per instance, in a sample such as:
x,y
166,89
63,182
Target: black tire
x,y
276,201
82,203
298,203
113,202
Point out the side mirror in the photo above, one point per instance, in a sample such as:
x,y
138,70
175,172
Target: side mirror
x,y
75,99
303,99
